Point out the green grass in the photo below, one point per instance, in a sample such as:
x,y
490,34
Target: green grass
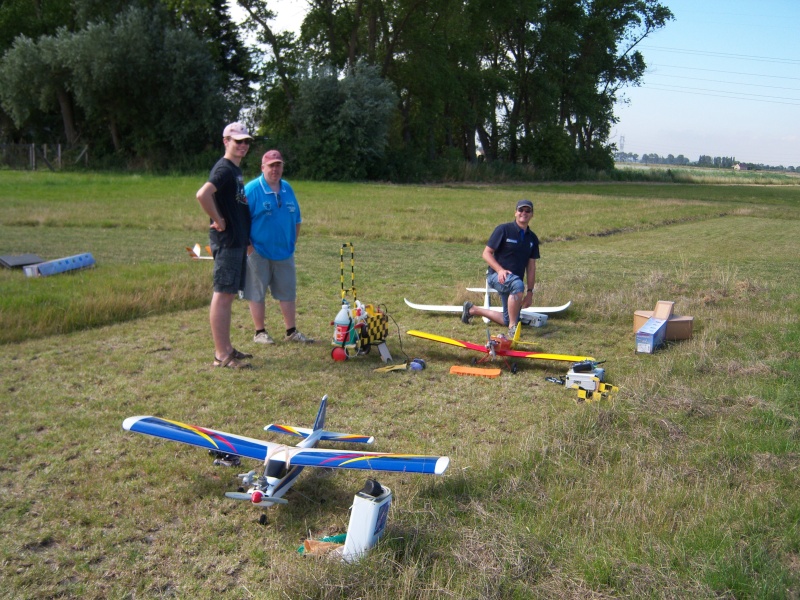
x,y
683,485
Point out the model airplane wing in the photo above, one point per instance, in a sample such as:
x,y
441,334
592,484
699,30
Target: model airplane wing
x,y
230,443
525,313
508,353
202,437
375,461
544,356
446,340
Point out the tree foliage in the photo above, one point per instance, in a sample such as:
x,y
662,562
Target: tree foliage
x,y
519,82
132,77
535,81
342,124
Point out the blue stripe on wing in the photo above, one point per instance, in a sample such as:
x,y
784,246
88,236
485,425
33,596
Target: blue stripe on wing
x,y
375,461
201,437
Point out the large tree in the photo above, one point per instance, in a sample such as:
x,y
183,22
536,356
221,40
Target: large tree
x,y
141,77
535,80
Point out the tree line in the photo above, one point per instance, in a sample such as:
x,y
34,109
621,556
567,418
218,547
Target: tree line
x,y
388,89
718,162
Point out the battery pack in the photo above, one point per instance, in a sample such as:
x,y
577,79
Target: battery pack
x,y
367,520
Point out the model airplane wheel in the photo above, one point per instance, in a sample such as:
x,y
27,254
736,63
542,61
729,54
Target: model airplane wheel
x,y
473,362
513,367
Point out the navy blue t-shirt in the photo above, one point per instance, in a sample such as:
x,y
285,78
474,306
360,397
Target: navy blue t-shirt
x,y
513,247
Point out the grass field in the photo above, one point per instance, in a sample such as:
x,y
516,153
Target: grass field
x,y
685,484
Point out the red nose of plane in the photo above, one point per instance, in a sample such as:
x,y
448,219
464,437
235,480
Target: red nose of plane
x,y
257,497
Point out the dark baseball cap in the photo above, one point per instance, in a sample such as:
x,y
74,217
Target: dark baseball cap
x,y
527,203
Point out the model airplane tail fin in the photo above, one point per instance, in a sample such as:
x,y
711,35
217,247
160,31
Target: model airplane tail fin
x,y
319,423
325,436
319,433
196,252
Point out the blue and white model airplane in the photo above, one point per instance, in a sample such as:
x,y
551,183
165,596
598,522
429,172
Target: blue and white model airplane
x,y
283,464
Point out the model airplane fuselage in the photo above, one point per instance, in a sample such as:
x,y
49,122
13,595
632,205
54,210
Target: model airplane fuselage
x,y
283,464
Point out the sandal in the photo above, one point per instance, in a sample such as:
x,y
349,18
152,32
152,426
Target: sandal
x,y
240,355
230,363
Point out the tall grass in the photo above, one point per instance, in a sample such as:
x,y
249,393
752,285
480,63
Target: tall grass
x,y
683,485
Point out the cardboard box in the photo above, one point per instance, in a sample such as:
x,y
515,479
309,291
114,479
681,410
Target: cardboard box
x,y
663,309
651,335
678,328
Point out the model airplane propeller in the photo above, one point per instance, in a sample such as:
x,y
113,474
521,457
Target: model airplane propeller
x,y
283,464
503,347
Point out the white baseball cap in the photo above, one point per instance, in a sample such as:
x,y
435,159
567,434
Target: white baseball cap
x,y
236,131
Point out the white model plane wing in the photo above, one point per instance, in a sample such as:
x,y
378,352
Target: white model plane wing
x,y
526,313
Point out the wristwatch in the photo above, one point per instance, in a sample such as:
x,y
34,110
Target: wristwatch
x,y
530,290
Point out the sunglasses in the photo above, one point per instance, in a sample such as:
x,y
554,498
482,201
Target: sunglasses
x,y
524,209
244,141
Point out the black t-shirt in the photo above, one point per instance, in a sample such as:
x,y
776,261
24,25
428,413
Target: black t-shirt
x,y
231,204
513,248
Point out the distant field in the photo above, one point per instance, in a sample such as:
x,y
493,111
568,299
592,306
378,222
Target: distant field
x,y
684,484
686,174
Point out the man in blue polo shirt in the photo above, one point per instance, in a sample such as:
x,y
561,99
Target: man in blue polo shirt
x,y
275,227
511,253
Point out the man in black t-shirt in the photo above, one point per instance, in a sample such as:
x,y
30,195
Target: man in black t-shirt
x,y
222,198
511,253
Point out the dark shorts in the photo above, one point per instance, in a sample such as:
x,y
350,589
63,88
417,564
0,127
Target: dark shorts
x,y
230,268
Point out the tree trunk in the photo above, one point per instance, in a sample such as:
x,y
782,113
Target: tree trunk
x,y
352,50
112,129
67,116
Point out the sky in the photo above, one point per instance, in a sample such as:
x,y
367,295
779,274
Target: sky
x,y
723,79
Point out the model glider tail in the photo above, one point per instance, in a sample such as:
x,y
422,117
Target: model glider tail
x,y
197,252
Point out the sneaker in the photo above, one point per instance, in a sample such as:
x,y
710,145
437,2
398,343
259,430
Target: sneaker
x,y
298,337
465,316
262,337
512,331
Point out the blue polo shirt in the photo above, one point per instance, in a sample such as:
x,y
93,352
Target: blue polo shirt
x,y
274,217
513,247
